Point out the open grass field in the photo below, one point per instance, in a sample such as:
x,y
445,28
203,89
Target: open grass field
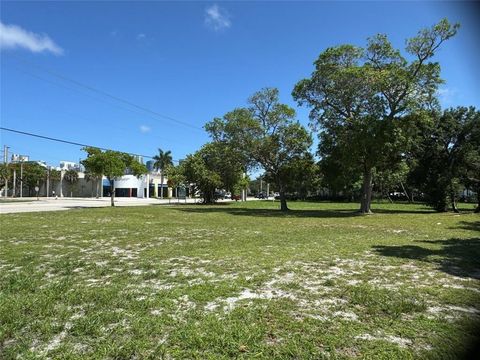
x,y
239,281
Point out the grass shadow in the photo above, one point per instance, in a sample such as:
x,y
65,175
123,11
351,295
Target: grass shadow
x,y
459,257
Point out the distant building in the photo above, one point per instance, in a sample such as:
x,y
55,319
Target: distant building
x,y
69,165
20,158
150,165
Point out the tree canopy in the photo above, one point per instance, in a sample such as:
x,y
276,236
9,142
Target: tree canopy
x,y
265,134
210,168
360,96
446,155
111,164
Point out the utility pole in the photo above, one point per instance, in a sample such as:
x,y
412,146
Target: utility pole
x,y
14,181
5,158
21,177
48,180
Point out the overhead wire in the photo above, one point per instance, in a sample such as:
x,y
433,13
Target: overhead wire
x,y
104,93
71,142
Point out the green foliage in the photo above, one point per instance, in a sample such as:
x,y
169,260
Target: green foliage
x,y
54,175
71,177
4,173
111,164
360,98
212,167
265,134
163,161
176,176
447,154
33,173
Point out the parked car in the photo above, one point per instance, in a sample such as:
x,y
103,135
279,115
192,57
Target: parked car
x,y
236,197
261,196
228,195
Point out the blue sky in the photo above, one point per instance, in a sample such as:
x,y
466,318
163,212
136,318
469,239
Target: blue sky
x,y
191,61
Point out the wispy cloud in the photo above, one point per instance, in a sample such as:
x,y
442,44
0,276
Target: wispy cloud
x,y
13,36
141,36
217,18
145,129
447,95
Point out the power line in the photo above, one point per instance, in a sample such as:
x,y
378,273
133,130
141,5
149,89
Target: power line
x,y
106,94
69,142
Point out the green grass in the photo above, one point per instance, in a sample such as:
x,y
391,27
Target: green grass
x,y
239,281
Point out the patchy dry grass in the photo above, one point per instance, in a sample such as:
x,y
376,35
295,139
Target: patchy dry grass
x,y
239,280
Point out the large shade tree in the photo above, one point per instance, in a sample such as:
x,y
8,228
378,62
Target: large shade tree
x,y
111,164
447,156
359,98
211,168
266,134
162,162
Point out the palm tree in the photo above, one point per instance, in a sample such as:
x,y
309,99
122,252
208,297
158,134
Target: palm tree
x,y
71,176
162,161
54,175
94,179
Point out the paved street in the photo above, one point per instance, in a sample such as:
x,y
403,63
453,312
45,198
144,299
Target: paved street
x,y
51,204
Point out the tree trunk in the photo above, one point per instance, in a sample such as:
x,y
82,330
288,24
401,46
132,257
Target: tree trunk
x,y
405,192
283,200
98,186
477,210
112,192
161,185
453,199
389,198
366,192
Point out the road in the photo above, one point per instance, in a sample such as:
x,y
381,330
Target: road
x,y
51,204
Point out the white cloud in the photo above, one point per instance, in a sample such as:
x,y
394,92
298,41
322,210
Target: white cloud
x,y
13,36
145,129
141,36
217,18
447,95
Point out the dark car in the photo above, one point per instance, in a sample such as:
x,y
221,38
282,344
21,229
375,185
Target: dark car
x,y
236,197
261,196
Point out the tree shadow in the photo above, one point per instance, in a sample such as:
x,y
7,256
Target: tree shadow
x,y
468,225
459,257
403,211
272,212
297,213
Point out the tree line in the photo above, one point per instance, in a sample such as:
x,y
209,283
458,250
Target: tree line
x,y
378,120
379,124
31,174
